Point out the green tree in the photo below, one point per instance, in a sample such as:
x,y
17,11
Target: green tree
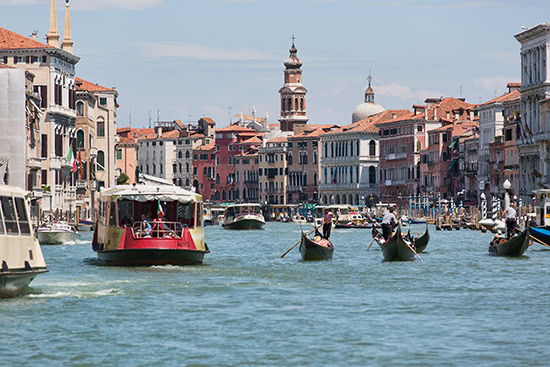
x,y
123,179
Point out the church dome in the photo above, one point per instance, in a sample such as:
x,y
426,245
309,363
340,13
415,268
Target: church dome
x,y
364,110
367,108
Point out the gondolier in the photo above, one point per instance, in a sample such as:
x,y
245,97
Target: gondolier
x,y
510,217
388,222
327,223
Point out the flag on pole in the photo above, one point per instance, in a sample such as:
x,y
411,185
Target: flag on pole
x,y
71,159
81,165
160,211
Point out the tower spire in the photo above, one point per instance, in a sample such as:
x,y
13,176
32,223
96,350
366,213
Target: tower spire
x,y
67,43
53,35
369,93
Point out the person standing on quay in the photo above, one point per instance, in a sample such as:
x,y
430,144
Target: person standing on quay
x,y
327,223
388,222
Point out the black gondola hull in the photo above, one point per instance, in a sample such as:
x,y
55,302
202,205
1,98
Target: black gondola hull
x,y
311,251
514,247
395,249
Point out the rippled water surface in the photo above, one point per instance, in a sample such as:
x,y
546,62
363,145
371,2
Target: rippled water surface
x,y
247,306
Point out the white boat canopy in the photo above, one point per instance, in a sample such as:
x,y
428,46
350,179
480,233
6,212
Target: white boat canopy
x,y
150,193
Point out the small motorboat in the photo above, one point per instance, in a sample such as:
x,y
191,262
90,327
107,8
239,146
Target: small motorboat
x,y
514,247
57,233
243,216
85,225
300,219
316,248
20,252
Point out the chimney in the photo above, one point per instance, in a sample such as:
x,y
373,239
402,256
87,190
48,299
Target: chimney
x,y
67,43
34,33
53,36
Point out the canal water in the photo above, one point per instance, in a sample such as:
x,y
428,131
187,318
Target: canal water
x,y
247,306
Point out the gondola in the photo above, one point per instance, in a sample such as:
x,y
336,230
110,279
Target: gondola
x,y
419,243
515,246
396,249
312,250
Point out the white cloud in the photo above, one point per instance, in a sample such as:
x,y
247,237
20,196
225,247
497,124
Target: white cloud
x,y
198,52
19,2
404,92
493,83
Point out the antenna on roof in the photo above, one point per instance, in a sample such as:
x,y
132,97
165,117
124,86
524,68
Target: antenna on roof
x,y
150,118
158,115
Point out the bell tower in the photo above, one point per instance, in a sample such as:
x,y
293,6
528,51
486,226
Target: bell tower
x,y
293,94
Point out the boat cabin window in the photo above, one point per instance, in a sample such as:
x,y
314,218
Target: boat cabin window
x,y
125,213
22,216
8,208
186,214
199,215
112,213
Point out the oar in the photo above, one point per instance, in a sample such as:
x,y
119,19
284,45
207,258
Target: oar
x,y
406,243
296,244
539,241
372,242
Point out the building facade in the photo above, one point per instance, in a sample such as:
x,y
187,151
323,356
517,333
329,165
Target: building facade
x,y
204,170
273,172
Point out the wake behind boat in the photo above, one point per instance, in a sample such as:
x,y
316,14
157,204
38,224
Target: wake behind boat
x,y
243,216
149,225
57,233
20,252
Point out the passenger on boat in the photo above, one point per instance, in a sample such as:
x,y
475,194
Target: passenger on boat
x,y
496,239
388,222
146,225
158,229
327,223
510,216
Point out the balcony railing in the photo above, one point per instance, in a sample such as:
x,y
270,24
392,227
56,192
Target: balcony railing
x,y
55,162
81,184
34,163
393,156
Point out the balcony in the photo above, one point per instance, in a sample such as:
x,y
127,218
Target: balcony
x,y
34,163
394,182
393,156
81,184
55,162
93,152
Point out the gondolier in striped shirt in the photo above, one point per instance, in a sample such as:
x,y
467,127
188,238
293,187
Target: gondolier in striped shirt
x,y
510,216
388,222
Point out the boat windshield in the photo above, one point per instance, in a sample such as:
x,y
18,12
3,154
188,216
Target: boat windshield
x,y
244,210
188,215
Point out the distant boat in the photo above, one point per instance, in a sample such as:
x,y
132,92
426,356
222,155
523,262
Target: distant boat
x,y
85,225
20,252
299,219
58,233
417,220
243,216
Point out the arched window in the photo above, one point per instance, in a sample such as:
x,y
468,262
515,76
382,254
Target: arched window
x,y
315,179
372,148
217,178
325,179
80,108
287,104
180,154
187,154
372,175
302,105
289,159
100,160
100,127
304,183
358,147
296,103
80,139
418,146
223,195
187,182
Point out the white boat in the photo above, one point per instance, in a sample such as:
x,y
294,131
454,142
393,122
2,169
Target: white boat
x,y
300,219
243,216
57,233
20,252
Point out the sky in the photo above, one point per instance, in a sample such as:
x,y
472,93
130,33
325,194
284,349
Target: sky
x,y
180,59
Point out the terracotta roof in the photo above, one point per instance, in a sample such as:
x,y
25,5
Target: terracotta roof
x,y
173,134
278,140
209,146
197,135
309,133
123,130
249,117
127,141
457,128
512,96
236,128
449,105
180,124
316,126
82,84
208,120
404,117
247,133
513,85
10,40
252,140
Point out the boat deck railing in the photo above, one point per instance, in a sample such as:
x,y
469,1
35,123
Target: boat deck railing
x,y
159,229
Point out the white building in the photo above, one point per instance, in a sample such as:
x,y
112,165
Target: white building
x,y
534,148
167,154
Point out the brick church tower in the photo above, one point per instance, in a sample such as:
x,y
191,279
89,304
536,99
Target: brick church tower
x,y
293,94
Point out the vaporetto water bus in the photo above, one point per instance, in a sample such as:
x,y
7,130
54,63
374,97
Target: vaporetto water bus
x,y
243,216
20,252
149,225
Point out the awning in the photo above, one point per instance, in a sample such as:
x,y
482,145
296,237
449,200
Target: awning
x,y
452,164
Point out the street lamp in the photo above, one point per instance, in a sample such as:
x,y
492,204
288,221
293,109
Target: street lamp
x,y
507,185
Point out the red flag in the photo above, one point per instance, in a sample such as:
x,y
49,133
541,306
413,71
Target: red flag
x,y
80,164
